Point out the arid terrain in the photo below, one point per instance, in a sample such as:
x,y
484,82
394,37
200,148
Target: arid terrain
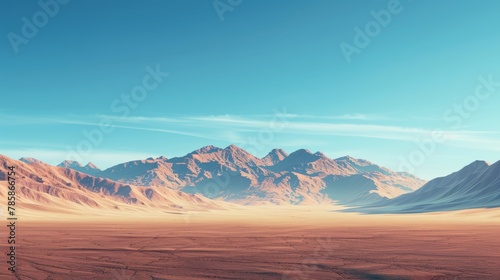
x,y
72,225
264,243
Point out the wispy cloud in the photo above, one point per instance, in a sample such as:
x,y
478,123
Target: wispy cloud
x,y
359,117
235,128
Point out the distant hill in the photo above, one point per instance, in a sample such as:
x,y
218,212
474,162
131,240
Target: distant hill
x,y
475,186
90,168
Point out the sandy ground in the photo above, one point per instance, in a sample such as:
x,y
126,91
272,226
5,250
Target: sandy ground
x,y
262,243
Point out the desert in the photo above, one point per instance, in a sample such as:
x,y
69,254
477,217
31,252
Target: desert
x,y
263,244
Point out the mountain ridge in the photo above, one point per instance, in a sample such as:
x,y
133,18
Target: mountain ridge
x,y
251,176
234,175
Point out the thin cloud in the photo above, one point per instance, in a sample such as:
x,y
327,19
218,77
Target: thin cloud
x,y
236,128
358,117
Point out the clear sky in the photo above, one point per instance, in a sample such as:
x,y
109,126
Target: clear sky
x,y
261,74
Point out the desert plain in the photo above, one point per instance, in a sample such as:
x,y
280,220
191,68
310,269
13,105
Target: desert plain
x,y
259,243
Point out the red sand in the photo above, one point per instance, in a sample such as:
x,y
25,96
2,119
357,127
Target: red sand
x,y
239,250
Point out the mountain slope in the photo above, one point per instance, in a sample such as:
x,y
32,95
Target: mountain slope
x,y
60,190
474,186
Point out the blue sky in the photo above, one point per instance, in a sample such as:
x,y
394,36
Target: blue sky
x,y
270,74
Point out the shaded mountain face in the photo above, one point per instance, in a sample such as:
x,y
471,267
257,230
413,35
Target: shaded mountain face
x,y
234,174
53,189
275,156
90,168
474,186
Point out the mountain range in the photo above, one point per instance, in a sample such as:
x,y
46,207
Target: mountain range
x,y
218,178
233,174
